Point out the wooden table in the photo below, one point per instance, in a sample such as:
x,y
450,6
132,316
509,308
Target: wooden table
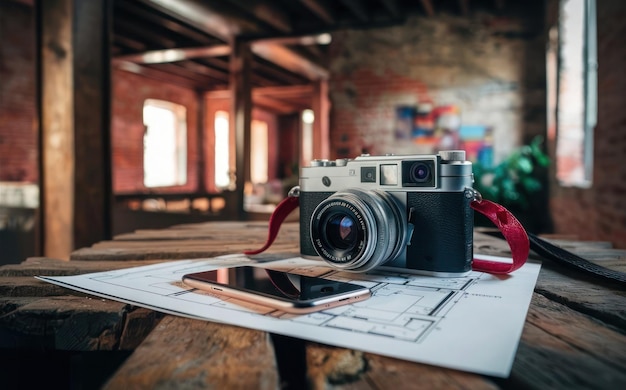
x,y
574,335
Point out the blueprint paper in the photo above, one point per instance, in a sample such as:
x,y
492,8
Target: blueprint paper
x,y
472,323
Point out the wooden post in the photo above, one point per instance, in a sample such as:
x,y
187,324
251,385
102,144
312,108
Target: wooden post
x,y
201,151
321,108
241,115
75,154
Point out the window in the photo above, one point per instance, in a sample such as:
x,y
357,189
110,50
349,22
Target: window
x,y
258,153
577,92
306,151
222,150
164,143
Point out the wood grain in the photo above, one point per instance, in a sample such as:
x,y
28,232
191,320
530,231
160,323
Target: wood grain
x,y
564,353
338,368
187,353
574,336
73,323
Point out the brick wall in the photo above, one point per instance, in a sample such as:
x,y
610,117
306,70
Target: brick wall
x,y
18,110
599,212
127,129
490,67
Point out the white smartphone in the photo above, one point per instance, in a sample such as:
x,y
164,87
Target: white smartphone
x,y
284,291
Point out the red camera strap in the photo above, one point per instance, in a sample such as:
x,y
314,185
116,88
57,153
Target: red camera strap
x,y
513,232
509,226
284,208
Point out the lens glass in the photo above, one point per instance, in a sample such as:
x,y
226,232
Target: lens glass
x,y
418,173
341,232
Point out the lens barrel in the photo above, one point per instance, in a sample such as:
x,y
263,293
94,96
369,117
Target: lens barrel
x,y
357,230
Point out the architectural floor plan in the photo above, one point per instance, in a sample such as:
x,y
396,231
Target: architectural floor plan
x,y
441,321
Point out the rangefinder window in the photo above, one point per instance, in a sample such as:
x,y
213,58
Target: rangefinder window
x,y
389,175
418,173
368,174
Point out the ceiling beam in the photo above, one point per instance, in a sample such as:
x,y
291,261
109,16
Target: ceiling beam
x,y
282,92
268,13
283,100
465,7
173,55
156,74
357,9
290,60
216,18
272,52
319,9
392,7
224,22
428,7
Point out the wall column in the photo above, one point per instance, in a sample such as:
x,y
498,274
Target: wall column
x,y
74,90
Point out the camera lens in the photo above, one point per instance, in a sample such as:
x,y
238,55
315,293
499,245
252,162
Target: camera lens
x,y
357,230
341,231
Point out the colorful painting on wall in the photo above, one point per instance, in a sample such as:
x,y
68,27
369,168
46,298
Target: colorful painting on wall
x,y
437,128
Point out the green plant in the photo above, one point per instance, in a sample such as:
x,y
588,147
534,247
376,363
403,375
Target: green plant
x,y
517,180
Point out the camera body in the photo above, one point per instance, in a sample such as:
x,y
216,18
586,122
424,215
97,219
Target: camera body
x,y
410,213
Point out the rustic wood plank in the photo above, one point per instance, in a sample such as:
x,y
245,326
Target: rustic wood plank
x,y
225,239
24,286
560,348
209,231
8,304
76,323
43,266
584,294
186,353
338,368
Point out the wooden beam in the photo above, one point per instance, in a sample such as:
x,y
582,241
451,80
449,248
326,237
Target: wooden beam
x,y
321,107
392,7
464,7
92,121
282,100
357,9
75,127
157,74
289,60
217,18
286,92
321,10
241,117
224,22
269,13
429,9
201,152
277,105
57,128
174,55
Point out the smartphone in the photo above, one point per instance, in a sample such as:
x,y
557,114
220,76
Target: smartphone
x,y
284,291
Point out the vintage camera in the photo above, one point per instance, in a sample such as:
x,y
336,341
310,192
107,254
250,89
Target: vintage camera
x,y
410,213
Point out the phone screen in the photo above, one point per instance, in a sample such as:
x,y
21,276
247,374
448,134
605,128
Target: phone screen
x,y
281,290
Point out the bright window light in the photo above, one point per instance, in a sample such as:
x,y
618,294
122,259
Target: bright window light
x,y
165,144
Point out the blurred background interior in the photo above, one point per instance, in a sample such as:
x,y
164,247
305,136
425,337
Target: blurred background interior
x,y
119,115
